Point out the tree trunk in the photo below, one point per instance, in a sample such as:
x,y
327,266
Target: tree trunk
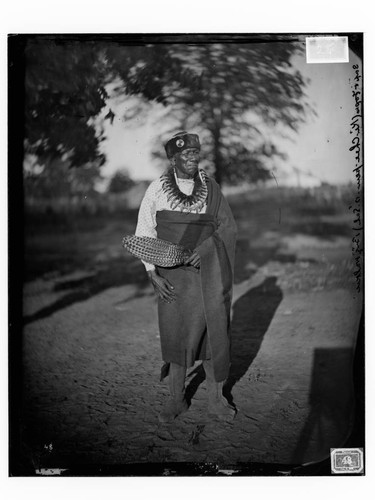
x,y
218,159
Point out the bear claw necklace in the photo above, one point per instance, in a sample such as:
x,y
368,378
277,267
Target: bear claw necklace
x,y
179,200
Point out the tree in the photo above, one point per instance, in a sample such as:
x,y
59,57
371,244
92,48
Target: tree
x,y
120,182
54,180
228,88
65,90
238,87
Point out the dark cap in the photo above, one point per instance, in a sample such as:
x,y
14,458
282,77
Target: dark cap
x,y
180,141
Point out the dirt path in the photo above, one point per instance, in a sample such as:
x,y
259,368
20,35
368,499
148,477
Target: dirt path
x,y
92,369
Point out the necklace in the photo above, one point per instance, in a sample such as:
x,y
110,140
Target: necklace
x,y
178,199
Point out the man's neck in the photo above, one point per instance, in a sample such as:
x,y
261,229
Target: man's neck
x,y
182,175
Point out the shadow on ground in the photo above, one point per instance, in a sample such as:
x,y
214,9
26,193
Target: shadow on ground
x,y
331,401
252,315
114,273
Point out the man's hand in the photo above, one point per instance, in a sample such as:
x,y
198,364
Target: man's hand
x,y
194,260
162,287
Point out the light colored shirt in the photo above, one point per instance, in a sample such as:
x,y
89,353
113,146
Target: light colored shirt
x,y
154,201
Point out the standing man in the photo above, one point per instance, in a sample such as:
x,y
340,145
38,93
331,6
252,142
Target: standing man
x,y
186,207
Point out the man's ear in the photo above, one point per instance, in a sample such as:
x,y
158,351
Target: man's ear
x,y
172,161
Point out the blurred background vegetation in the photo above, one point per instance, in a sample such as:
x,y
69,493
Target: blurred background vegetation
x,y
225,89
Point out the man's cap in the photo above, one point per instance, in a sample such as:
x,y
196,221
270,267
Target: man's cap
x,y
180,141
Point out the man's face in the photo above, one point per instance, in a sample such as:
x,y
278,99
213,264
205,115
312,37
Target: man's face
x,y
187,162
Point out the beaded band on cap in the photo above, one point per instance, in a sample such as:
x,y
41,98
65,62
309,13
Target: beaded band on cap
x,y
180,141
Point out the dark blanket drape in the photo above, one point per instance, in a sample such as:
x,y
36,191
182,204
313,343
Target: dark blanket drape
x,y
196,325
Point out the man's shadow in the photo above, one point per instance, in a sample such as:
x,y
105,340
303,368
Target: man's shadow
x,y
252,315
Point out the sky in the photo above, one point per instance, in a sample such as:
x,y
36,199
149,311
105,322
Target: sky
x,y
320,150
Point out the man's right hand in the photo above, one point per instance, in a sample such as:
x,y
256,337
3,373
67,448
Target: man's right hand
x,y
162,287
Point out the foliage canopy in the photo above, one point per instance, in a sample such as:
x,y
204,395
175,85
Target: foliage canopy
x,y
226,89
